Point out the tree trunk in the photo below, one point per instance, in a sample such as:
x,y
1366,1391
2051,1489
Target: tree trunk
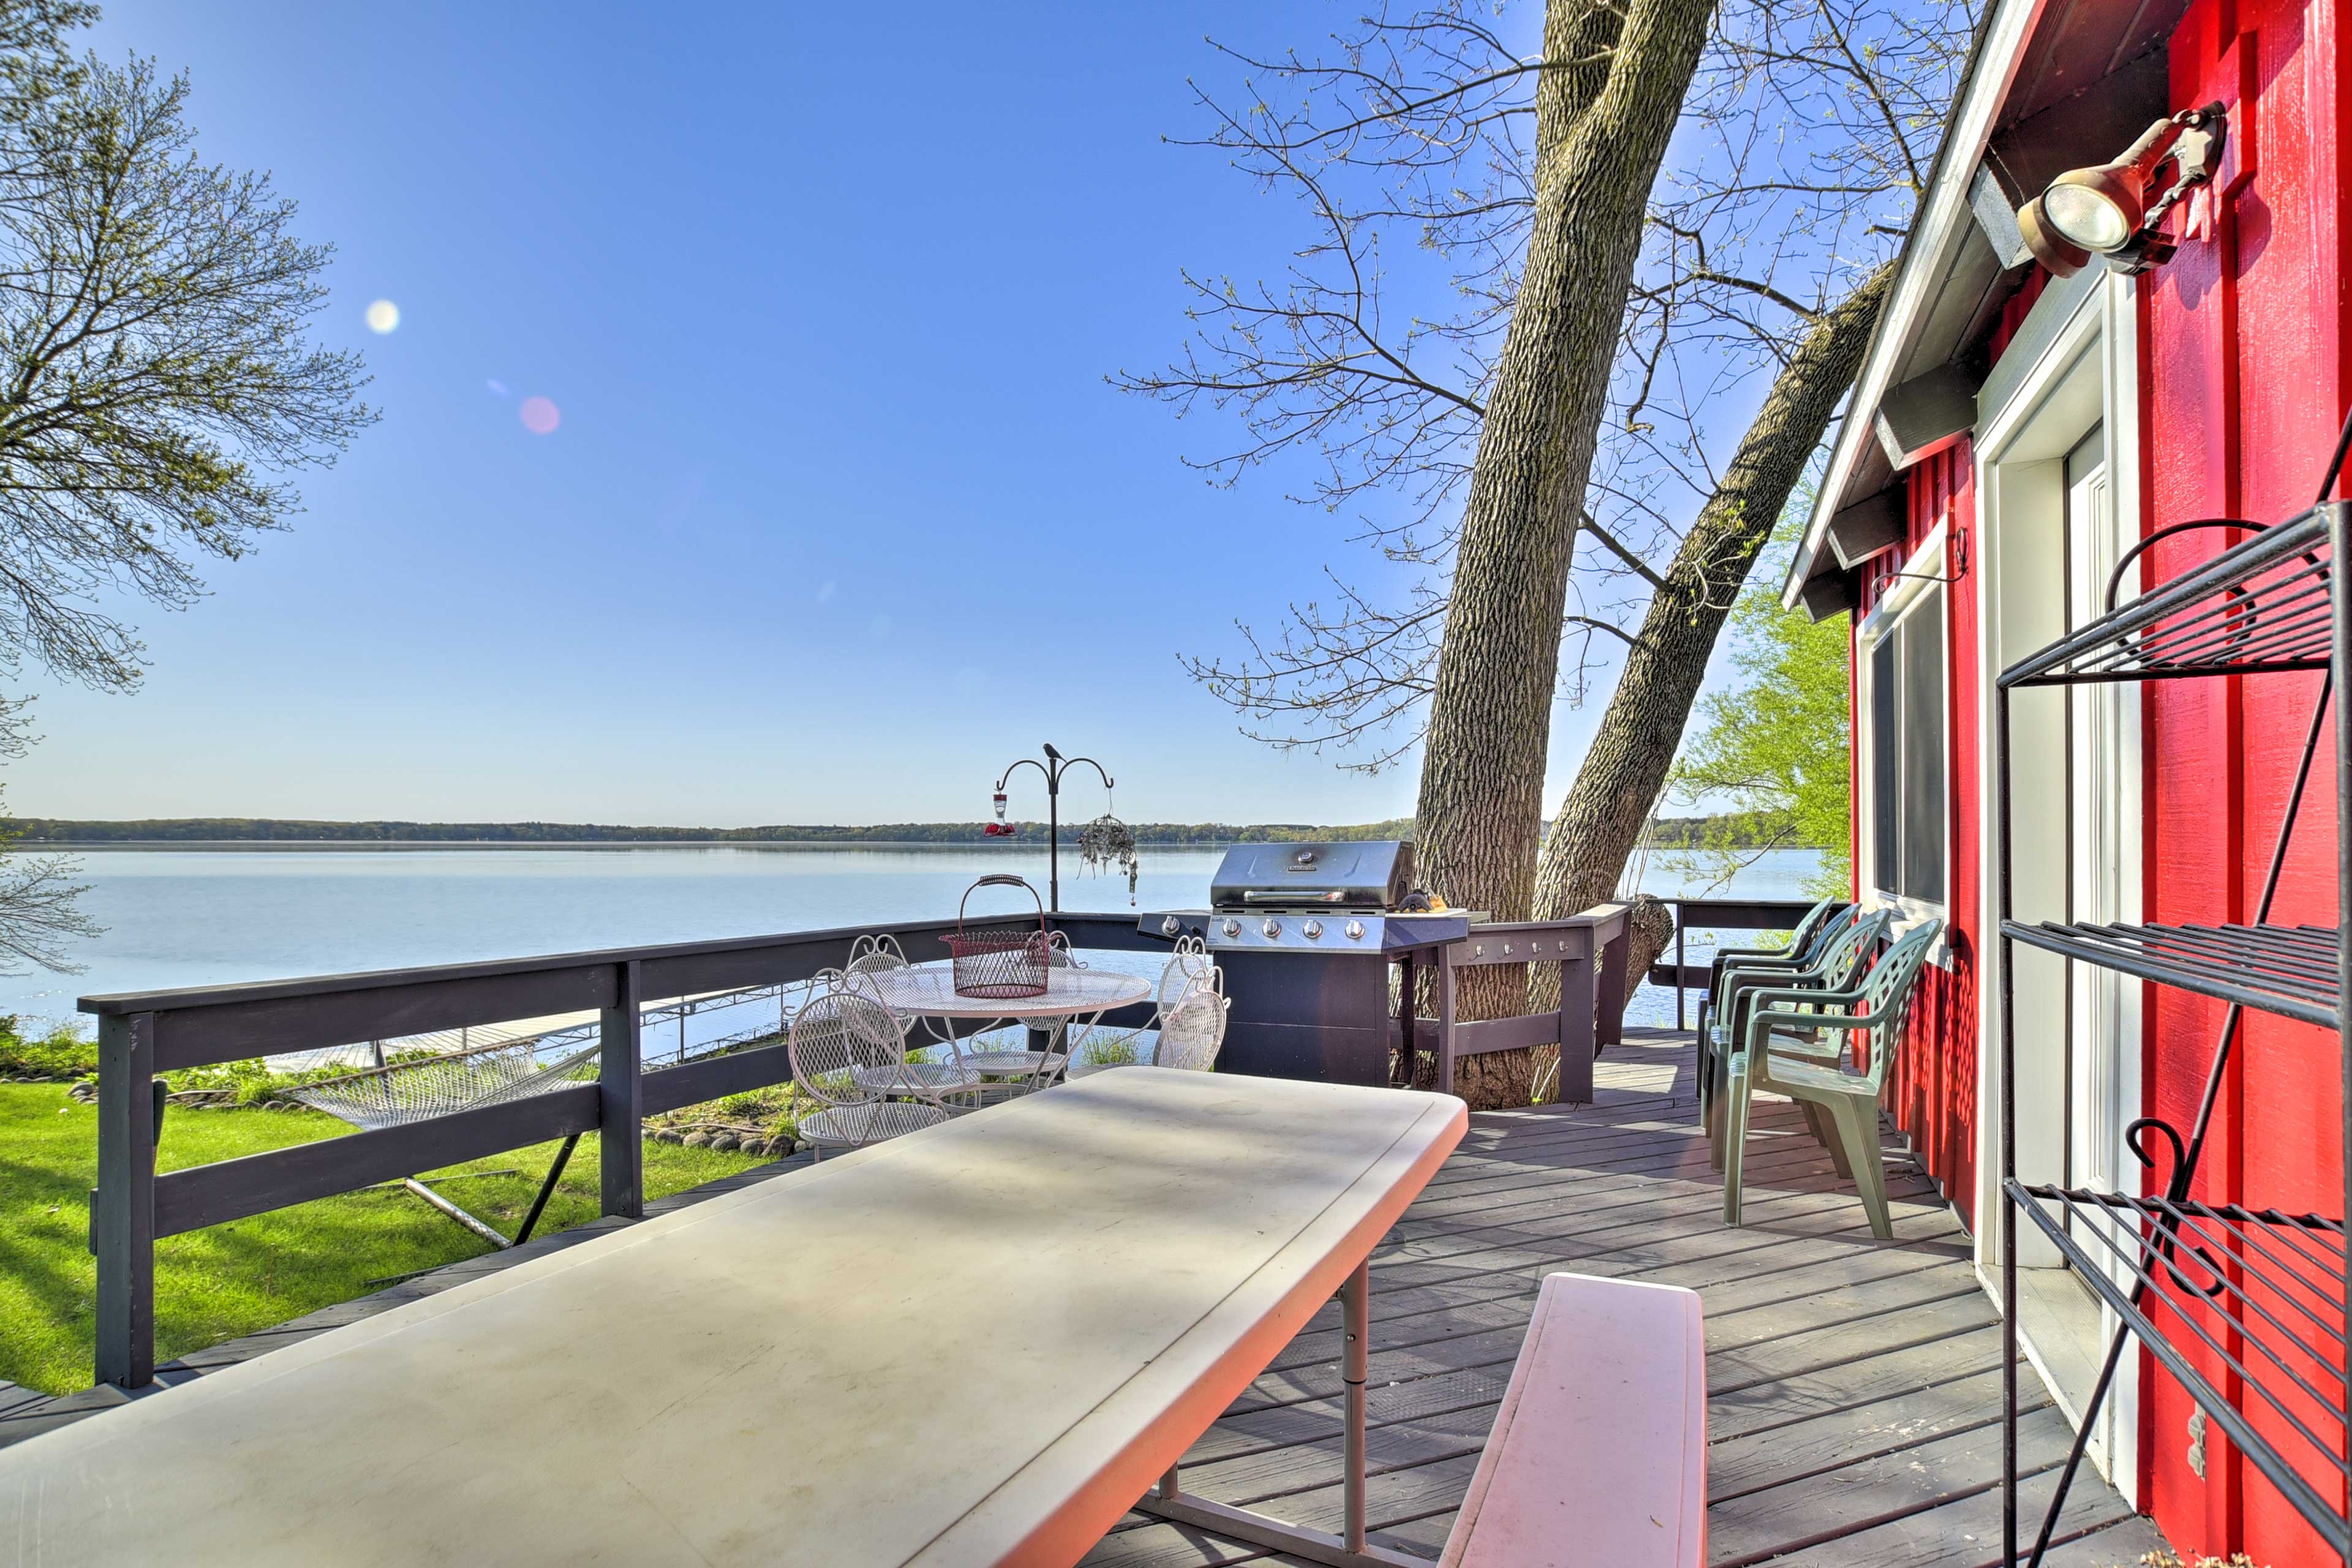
x,y
1600,821
1603,121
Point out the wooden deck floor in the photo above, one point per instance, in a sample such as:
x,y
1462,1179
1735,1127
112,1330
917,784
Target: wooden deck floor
x,y
1853,1387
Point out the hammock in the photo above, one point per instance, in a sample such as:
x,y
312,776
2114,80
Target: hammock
x,y
441,1074
439,1083
443,1082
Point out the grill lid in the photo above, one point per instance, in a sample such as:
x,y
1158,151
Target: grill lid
x,y
1375,874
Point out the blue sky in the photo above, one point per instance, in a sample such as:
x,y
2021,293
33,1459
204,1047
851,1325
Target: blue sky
x,y
840,516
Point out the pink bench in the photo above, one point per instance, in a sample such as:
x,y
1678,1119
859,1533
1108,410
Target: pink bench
x,y
1598,1452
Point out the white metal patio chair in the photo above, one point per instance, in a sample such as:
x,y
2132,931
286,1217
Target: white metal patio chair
x,y
849,1053
878,949
1188,968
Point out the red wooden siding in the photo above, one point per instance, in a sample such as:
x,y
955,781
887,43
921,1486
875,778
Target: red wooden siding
x,y
1933,1090
1934,1096
2244,385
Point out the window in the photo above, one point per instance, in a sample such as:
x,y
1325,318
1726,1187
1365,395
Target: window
x,y
1909,800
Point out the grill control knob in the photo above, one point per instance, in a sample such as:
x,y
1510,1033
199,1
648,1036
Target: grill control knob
x,y
1272,929
1312,930
1355,931
1233,927
1170,926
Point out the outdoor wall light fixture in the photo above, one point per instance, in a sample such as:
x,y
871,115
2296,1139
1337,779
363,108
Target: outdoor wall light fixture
x,y
2105,211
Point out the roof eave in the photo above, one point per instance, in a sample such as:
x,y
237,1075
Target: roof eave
x,y
1944,218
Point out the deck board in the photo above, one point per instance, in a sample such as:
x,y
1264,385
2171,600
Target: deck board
x,y
1853,1385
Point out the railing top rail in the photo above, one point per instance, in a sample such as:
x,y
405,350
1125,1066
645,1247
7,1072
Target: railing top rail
x,y
203,996
186,998
1734,911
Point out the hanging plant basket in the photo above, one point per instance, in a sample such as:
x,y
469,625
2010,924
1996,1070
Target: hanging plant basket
x,y
1106,842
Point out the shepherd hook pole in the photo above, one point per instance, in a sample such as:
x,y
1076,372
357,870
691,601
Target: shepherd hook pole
x,y
1054,767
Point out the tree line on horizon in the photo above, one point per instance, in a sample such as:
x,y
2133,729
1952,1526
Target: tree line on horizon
x,y
1741,829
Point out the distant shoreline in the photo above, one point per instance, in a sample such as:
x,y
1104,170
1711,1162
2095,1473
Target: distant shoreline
x,y
1008,846
36,833
214,831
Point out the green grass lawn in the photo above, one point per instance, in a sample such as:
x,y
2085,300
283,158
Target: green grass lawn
x,y
232,1279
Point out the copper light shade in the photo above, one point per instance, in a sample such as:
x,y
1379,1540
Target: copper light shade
x,y
2103,210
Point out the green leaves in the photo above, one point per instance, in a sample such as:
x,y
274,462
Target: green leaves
x,y
1777,744
156,374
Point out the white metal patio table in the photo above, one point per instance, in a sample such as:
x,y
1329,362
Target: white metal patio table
x,y
1071,995
812,1369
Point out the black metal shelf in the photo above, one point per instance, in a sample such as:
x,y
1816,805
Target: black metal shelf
x,y
2259,1293
2261,607
2252,1300
2289,971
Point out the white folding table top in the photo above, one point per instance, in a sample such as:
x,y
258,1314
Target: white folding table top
x,y
979,1343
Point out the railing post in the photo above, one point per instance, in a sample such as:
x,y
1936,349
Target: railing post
x,y
620,1133
1609,1026
1445,1003
1578,993
122,1210
1680,922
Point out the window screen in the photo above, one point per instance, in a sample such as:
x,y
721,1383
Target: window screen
x,y
1907,720
1922,633
1885,758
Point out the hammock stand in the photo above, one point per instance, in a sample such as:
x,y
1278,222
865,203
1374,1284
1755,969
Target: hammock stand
x,y
400,1093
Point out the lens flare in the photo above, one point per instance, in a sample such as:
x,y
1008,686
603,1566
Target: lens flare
x,y
382,316
541,417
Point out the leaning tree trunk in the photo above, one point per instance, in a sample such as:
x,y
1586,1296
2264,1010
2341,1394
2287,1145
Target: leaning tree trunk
x,y
1621,775
1603,119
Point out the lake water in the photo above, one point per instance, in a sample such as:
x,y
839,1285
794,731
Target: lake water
x,y
203,917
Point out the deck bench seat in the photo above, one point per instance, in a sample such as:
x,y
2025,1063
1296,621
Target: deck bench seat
x,y
1598,1459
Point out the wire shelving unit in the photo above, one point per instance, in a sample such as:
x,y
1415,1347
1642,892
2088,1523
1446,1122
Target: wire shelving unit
x,y
2245,1308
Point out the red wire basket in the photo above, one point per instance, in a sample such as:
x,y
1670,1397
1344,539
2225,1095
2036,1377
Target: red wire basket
x,y
999,961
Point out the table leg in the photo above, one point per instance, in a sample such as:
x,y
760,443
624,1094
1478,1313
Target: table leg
x,y
1348,1549
1356,1331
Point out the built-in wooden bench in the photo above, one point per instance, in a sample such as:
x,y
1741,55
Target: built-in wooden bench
x,y
1598,1459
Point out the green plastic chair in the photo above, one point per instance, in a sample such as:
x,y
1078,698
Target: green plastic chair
x,y
1817,926
1802,941
1843,1099
1836,963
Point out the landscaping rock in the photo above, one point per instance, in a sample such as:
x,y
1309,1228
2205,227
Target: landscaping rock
x,y
724,1143
697,1139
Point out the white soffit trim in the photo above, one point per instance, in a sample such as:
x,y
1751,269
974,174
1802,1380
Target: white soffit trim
x,y
1942,217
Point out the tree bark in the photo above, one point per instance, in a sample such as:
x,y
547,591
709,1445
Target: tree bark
x,y
1604,119
1600,821
1604,112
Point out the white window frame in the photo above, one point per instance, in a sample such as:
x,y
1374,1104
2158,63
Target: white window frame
x,y
2096,314
1906,590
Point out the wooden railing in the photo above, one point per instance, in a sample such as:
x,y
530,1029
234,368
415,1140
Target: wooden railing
x,y
1591,950
1720,914
141,1035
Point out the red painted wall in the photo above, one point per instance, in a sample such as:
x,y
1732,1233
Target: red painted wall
x,y
2244,382
1933,1088
2244,387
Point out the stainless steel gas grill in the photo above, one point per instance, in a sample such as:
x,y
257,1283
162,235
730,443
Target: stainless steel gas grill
x,y
1305,934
